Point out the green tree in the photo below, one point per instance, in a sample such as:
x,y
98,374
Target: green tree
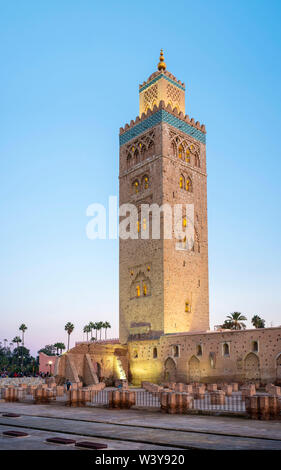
x,y
258,322
69,327
59,347
16,340
99,327
49,350
87,330
92,327
23,329
106,325
234,321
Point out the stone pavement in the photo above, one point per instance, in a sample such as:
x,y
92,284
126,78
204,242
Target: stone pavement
x,y
133,429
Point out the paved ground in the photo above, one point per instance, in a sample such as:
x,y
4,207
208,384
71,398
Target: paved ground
x,y
133,429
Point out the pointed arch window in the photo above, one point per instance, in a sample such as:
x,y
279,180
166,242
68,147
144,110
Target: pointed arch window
x,y
188,184
180,151
181,182
144,289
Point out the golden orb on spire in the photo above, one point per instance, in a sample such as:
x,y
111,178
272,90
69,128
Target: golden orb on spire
x,y
161,65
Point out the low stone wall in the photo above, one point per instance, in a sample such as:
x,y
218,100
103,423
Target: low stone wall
x,y
18,381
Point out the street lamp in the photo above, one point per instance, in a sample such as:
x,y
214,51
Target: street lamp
x,y
50,364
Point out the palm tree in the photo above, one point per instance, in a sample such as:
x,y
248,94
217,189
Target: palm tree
x,y
69,327
258,322
234,321
92,327
99,327
59,347
23,329
18,341
87,330
106,325
95,327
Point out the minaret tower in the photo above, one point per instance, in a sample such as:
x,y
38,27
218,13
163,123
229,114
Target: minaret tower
x,y
163,282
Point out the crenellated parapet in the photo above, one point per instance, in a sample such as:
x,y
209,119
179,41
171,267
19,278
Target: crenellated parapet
x,y
162,113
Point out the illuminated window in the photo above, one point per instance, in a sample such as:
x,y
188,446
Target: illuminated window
x,y
146,182
187,184
181,182
136,186
144,225
138,226
138,291
187,156
135,354
180,151
187,307
144,289
184,222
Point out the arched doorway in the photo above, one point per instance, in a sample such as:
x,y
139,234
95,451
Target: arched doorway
x,y
278,368
98,370
194,369
170,370
252,367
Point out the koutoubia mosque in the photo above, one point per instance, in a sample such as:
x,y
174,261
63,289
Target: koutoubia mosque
x,y
164,293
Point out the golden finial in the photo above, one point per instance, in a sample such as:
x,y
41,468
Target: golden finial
x,y
161,65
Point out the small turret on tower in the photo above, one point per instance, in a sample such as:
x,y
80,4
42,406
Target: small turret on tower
x,y
162,85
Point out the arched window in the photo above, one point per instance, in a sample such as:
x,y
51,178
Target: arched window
x,y
176,351
136,186
155,354
187,307
138,290
199,350
144,289
255,346
135,354
188,184
144,225
136,155
146,181
180,151
225,349
197,161
187,156
181,182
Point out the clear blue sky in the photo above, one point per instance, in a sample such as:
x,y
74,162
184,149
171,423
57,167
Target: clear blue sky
x,y
69,79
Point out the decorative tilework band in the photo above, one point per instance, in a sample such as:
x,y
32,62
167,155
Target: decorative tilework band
x,y
158,78
157,118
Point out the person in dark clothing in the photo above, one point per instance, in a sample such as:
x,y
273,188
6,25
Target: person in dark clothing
x,y
68,385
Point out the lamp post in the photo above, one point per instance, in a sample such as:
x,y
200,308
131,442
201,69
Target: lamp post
x,y
50,365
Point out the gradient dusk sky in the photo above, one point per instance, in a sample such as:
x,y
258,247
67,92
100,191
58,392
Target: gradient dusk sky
x,y
69,79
